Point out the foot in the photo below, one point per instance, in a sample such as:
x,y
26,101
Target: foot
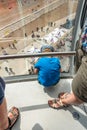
x,y
13,115
63,95
56,103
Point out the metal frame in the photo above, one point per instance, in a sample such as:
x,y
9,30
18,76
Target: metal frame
x,y
37,55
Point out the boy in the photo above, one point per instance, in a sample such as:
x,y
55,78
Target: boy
x,y
48,68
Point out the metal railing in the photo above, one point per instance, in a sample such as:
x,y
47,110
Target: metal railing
x,y
27,77
37,55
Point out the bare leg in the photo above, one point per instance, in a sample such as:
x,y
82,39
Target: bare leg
x,y
3,115
71,99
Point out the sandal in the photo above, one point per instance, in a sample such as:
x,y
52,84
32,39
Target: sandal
x,y
56,104
13,115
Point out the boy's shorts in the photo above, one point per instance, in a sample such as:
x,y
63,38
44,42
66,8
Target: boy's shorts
x,y
2,88
79,83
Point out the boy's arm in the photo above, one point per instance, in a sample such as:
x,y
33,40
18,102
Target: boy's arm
x,y
35,71
60,70
36,66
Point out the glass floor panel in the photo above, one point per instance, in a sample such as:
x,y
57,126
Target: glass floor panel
x,y
35,114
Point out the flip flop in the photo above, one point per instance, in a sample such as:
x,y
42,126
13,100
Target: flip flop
x,y
13,115
56,104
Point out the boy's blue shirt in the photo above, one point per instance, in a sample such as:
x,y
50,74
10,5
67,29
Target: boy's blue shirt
x,y
49,70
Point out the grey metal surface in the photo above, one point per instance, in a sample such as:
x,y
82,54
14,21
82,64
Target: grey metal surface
x,y
35,114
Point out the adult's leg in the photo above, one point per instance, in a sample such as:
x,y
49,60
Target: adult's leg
x,y
64,100
71,99
7,119
13,113
3,115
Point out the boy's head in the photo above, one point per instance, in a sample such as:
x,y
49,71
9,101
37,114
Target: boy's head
x,y
47,48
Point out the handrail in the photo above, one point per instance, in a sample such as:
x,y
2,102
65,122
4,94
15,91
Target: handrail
x,y
17,56
25,78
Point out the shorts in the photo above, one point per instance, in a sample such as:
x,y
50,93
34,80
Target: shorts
x,y
79,83
2,88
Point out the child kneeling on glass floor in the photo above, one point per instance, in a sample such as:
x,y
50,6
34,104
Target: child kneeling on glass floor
x,y
48,68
